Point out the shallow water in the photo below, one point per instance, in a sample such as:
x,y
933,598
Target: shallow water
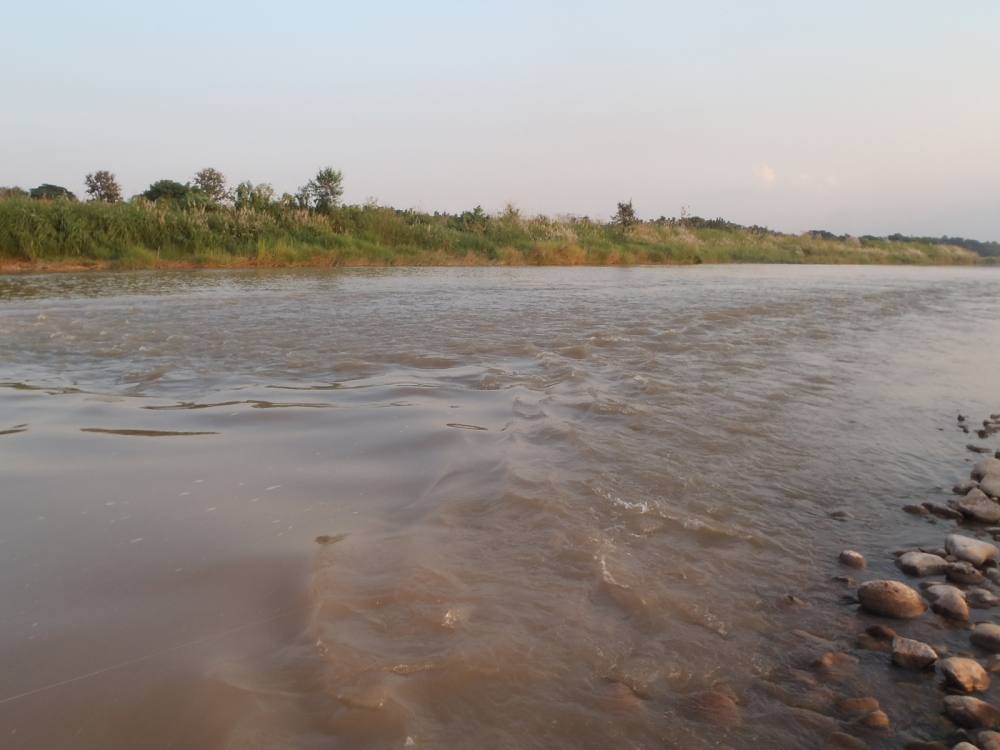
x,y
554,503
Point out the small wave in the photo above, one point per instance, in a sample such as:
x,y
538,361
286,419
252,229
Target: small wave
x,y
142,433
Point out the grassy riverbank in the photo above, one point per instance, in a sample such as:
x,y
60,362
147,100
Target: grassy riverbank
x,y
60,234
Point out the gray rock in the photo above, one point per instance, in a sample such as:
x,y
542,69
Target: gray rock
x,y
966,675
986,467
964,486
891,599
981,599
964,573
971,713
922,564
971,550
986,636
978,506
910,654
949,602
852,559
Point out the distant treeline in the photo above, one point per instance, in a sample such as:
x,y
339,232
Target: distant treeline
x,y
205,222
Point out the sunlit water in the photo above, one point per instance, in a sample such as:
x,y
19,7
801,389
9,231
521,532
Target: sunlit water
x,y
558,502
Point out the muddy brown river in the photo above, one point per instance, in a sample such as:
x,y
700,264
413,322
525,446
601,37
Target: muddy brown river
x,y
472,508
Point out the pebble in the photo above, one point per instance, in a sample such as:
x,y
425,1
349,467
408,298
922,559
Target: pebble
x,y
910,654
922,564
971,550
891,599
966,675
949,602
964,573
852,559
986,636
971,713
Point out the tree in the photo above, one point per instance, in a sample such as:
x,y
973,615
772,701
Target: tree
x,y
625,216
102,186
12,192
323,192
212,183
169,190
254,197
48,192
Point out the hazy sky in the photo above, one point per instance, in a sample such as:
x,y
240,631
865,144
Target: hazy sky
x,y
853,116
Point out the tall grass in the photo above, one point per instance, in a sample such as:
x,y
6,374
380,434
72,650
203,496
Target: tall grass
x,y
140,234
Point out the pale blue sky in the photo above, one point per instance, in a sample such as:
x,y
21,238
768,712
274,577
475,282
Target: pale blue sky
x,y
855,116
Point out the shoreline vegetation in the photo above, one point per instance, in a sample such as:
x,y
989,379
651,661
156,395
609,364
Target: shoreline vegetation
x,y
203,224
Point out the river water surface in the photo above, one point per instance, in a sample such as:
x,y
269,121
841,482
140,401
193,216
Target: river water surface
x,y
552,504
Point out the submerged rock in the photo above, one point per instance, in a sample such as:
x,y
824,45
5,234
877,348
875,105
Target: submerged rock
x,y
876,720
910,654
949,602
971,713
986,636
852,559
942,512
891,599
836,665
966,675
971,550
712,706
964,486
921,564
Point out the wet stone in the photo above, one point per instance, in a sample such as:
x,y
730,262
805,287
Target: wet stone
x,y
986,467
916,510
963,573
949,602
965,675
910,654
988,740
964,486
986,636
942,512
852,559
971,713
921,564
836,665
876,720
981,599
990,485
979,507
883,632
858,706
891,599
971,550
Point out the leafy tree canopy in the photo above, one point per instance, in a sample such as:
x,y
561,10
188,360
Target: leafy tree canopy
x,y
45,191
102,186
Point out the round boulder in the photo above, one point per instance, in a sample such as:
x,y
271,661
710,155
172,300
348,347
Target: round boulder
x,y
971,713
971,550
891,599
986,636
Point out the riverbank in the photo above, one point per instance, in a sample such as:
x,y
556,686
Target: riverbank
x,y
65,236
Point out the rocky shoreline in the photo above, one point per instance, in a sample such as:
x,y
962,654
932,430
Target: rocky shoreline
x,y
953,585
